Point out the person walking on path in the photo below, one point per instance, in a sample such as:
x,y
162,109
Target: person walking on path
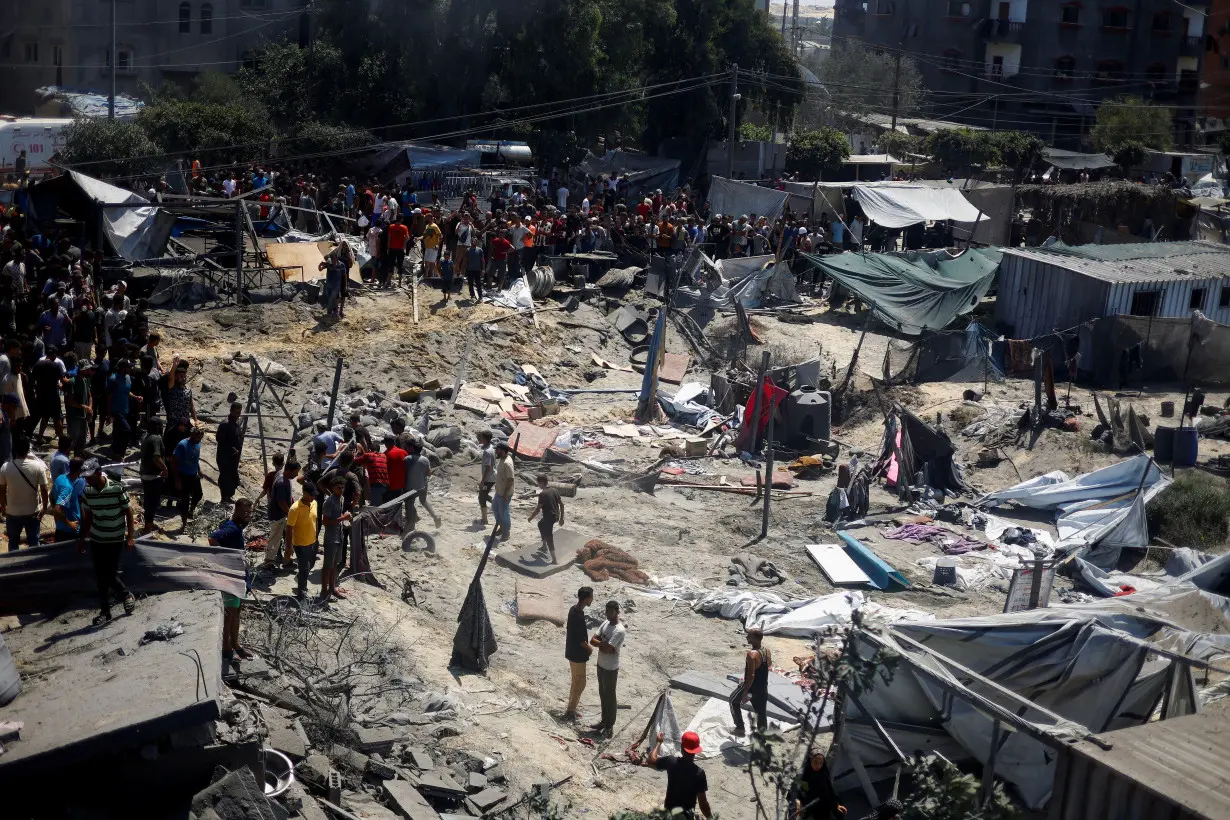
x,y
505,479
609,639
230,535
686,784
186,462
301,524
107,525
335,515
417,470
754,686
154,473
551,505
577,649
230,449
486,479
279,506
25,494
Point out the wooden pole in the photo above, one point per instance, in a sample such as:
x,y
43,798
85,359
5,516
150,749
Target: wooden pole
x,y
337,380
260,421
238,253
414,294
768,469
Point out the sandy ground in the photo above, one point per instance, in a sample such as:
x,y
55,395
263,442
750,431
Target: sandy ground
x,y
513,710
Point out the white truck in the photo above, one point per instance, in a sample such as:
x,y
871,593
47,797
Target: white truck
x,y
39,138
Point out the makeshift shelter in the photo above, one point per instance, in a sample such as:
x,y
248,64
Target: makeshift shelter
x,y
1007,692
1076,161
135,229
399,161
950,355
913,292
728,196
897,205
645,173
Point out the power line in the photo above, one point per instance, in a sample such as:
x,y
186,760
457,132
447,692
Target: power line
x,y
495,113
145,23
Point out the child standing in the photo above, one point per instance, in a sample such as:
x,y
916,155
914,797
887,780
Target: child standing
x,y
446,274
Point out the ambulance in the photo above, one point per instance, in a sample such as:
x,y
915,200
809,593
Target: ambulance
x,y
39,138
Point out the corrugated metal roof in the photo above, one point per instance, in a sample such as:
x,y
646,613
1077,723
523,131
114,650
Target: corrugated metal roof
x,y
1138,262
1184,760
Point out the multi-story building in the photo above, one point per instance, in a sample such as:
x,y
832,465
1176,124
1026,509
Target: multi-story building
x,y
1215,79
68,42
1042,67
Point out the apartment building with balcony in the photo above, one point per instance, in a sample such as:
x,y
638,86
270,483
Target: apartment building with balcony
x,y
1041,67
1215,76
68,42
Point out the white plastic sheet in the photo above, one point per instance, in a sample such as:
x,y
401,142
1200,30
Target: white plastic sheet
x,y
129,230
728,196
901,205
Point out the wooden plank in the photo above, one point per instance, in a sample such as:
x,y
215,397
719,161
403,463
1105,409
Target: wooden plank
x,y
532,441
838,567
674,367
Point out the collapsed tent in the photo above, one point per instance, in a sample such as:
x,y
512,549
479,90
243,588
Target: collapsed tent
x,y
913,292
399,161
951,355
644,173
1097,513
898,205
728,196
1007,691
135,233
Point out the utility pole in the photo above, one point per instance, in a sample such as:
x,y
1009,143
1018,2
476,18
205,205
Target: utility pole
x,y
114,60
896,87
730,129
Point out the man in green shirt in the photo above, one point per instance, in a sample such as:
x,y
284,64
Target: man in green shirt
x,y
78,408
107,523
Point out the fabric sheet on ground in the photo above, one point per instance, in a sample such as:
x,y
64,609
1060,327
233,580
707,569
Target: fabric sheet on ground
x,y
910,292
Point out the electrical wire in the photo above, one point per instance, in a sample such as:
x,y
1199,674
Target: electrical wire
x,y
254,15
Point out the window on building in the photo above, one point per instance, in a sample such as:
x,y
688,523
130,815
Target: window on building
x,y
1109,71
30,52
123,60
997,66
1223,298
1115,18
951,60
185,18
251,4
1065,68
1070,15
57,55
1196,300
207,18
1161,22
1144,303
957,8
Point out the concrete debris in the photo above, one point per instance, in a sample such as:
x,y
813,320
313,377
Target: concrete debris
x,y
485,801
236,796
407,802
417,757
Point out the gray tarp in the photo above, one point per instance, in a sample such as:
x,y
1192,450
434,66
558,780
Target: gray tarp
x,y
1090,667
1097,513
645,173
1076,161
910,292
135,233
729,196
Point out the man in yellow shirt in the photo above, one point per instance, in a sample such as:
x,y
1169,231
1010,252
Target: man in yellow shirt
x,y
301,532
431,247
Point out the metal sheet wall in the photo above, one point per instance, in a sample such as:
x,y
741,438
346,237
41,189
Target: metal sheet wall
x,y
1087,790
1037,298
1175,300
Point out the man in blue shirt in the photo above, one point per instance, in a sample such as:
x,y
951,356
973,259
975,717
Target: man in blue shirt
x,y
66,492
60,458
119,391
230,535
349,198
186,465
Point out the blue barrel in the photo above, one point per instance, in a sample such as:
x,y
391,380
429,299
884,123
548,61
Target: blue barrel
x,y
1186,447
1163,444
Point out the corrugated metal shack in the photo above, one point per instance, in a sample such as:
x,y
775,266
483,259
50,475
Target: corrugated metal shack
x,y
1177,769
1046,289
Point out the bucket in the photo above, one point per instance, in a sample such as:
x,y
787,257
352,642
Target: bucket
x,y
945,574
1163,444
1186,447
1167,409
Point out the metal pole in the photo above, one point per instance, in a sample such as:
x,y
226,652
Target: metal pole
x,y
768,467
114,60
730,129
337,381
896,88
238,253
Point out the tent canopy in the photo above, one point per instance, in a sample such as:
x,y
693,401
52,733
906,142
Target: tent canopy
x,y
135,233
898,206
729,196
1076,161
911,292
644,172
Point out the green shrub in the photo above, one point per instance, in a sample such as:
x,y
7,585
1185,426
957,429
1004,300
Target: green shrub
x,y
1194,512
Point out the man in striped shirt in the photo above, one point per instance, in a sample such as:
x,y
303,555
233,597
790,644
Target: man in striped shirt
x,y
107,523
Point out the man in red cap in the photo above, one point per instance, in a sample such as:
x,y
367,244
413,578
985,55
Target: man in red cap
x,y
686,784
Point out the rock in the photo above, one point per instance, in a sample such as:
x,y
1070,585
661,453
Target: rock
x,y
378,740
407,802
443,453
206,387
477,782
314,771
487,799
350,759
417,757
449,437
380,769
275,372
237,796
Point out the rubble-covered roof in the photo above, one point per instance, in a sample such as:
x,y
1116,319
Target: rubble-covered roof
x,y
1135,262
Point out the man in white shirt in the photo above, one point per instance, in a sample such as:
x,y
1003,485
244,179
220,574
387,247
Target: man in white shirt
x,y
561,198
585,206
24,481
228,187
609,639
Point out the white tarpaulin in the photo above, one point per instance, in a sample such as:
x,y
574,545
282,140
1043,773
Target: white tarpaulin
x,y
131,231
1102,510
898,206
728,196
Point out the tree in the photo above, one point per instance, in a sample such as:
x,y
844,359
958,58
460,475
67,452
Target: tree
x,y
858,82
1223,142
898,145
1130,154
107,148
211,132
811,153
959,149
940,791
751,132
1018,150
1122,119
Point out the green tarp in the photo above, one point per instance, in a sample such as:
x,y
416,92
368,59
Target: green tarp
x,y
913,292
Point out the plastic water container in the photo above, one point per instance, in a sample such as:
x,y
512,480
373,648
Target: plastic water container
x,y
1186,447
945,574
